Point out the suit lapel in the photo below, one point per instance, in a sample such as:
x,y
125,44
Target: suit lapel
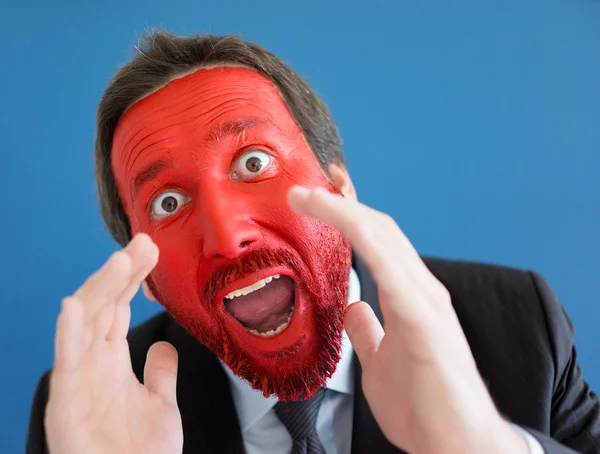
x,y
366,434
207,410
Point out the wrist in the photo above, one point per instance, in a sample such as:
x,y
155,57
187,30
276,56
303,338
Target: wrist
x,y
500,439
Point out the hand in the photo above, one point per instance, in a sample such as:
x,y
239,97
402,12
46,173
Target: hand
x,y
419,375
96,404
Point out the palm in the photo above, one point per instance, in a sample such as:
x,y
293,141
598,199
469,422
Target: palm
x,y
416,389
97,404
417,404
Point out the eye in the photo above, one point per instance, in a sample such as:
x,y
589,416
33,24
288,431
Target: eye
x,y
167,203
250,165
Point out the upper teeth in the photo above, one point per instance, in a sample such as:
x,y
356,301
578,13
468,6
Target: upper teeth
x,y
251,288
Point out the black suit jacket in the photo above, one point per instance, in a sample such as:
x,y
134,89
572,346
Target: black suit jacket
x,y
519,333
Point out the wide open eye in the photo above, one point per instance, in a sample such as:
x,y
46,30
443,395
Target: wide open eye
x,y
167,203
250,165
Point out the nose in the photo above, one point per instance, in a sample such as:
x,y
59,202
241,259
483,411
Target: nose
x,y
228,232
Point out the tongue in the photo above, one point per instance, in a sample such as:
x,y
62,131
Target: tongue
x,y
264,309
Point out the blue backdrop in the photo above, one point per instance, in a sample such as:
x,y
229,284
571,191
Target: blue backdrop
x,y
475,124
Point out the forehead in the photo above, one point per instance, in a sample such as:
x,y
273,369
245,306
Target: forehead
x,y
201,101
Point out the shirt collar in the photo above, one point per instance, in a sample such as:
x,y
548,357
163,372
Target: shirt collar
x,y
250,403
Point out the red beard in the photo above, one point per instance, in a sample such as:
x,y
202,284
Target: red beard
x,y
300,368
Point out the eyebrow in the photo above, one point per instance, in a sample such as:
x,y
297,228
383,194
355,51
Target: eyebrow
x,y
232,128
148,174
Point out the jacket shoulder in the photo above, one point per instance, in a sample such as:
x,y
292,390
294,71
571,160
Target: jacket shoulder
x,y
489,291
466,274
493,300
502,314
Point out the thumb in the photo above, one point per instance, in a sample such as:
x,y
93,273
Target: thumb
x,y
364,331
160,371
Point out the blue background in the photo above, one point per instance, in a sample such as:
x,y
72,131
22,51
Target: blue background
x,y
476,125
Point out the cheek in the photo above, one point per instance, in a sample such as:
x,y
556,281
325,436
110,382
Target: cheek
x,y
305,235
178,276
274,211
303,169
178,260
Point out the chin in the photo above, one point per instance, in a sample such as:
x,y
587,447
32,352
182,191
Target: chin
x,y
294,363
272,321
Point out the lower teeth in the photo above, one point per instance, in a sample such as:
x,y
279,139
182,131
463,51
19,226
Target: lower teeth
x,y
277,330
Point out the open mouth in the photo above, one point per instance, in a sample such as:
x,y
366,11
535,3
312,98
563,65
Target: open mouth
x,y
265,307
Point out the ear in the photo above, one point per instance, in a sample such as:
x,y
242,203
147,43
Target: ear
x,y
147,291
340,177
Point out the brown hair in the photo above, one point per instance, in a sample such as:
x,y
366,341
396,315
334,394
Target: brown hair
x,y
161,57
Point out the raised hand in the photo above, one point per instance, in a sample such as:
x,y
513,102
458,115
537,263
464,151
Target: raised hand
x,y
96,404
419,375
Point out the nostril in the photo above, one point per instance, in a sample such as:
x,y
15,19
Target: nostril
x,y
243,244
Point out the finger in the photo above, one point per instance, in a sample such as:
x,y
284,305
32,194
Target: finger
x,y
388,254
120,323
364,331
69,335
106,284
114,276
160,371
340,212
101,291
122,310
145,259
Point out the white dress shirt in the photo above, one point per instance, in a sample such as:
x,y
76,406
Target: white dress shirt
x,y
264,433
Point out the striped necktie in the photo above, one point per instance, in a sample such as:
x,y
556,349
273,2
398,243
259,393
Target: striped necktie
x,y
300,419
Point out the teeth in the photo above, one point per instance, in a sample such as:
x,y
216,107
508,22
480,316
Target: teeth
x,y
251,288
270,333
277,330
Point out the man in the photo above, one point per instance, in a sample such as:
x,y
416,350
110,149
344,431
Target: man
x,y
213,152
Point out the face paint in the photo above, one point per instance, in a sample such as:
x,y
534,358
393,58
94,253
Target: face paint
x,y
203,166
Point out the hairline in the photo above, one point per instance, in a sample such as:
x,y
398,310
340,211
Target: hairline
x,y
172,57
195,70
213,66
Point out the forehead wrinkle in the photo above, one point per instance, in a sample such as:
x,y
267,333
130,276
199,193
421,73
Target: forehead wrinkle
x,y
217,112
172,108
167,97
193,98
134,153
176,118
254,95
224,109
245,94
203,96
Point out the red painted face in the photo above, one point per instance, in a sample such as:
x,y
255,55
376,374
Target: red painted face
x,y
203,166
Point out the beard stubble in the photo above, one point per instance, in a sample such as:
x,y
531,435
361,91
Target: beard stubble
x,y
325,289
